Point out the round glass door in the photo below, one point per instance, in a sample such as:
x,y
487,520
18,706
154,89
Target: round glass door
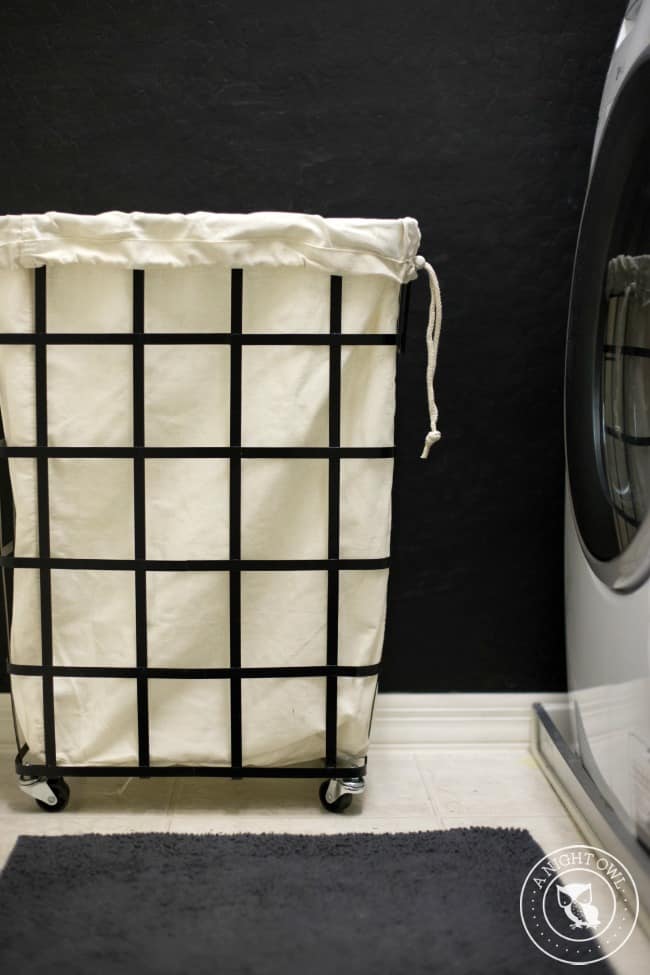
x,y
625,399
607,395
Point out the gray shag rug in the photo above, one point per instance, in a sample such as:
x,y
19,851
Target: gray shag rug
x,y
270,904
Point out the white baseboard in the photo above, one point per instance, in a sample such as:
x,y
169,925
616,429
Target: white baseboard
x,y
418,720
458,719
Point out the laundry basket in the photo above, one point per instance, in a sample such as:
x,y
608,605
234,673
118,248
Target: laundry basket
x,y
198,414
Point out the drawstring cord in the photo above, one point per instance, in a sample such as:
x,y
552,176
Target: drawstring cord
x,y
433,338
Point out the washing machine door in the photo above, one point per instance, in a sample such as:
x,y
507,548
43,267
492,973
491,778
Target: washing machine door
x,y
607,389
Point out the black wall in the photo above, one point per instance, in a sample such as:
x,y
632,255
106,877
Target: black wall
x,y
477,119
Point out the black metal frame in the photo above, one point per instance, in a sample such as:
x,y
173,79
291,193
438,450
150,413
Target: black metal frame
x,y
332,671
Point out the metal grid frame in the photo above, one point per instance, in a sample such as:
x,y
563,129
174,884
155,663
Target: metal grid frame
x,y
332,671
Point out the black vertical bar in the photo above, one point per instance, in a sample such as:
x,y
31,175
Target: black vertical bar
x,y
7,536
43,494
331,717
401,324
236,293
139,523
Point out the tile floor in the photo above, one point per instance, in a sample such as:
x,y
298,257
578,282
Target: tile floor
x,y
408,789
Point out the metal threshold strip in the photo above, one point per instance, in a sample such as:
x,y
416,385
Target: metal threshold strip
x,y
586,805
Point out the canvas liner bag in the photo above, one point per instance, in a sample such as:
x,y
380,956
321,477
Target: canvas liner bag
x,y
271,504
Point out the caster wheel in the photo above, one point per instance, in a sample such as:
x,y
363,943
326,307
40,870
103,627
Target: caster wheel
x,y
338,805
61,790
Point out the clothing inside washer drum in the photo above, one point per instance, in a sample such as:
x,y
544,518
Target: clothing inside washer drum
x,y
171,338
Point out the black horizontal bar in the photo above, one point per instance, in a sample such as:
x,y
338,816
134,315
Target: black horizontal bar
x,y
634,350
627,438
199,452
198,565
196,338
191,771
193,673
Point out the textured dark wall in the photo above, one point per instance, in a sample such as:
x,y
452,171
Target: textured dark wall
x,y
475,118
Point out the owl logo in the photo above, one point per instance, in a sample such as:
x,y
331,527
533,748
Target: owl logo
x,y
575,901
593,911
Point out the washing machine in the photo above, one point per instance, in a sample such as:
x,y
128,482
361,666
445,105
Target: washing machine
x,y
607,427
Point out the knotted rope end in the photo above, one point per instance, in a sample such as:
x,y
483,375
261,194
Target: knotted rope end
x,y
433,436
432,339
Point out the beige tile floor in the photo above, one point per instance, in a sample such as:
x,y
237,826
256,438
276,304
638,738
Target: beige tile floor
x,y
408,789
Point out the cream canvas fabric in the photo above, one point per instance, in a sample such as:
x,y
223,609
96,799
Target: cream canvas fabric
x,y
287,262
